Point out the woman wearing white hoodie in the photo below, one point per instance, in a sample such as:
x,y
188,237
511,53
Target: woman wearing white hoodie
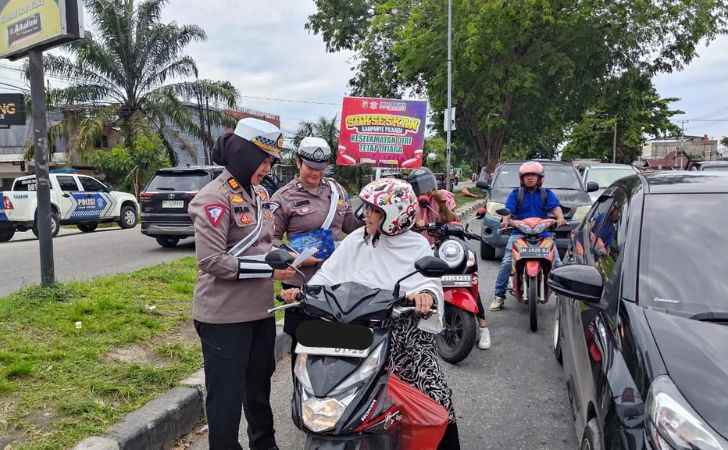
x,y
379,254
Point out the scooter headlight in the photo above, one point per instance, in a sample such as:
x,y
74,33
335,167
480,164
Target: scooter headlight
x,y
452,252
322,414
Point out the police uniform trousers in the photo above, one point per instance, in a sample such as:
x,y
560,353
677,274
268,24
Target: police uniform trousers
x,y
239,362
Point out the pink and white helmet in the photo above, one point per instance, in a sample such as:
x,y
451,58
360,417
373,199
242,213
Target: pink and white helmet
x,y
396,199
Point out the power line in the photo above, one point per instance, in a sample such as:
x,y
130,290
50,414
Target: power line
x,y
290,100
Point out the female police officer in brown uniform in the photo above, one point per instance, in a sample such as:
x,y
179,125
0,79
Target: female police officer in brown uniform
x,y
312,211
233,231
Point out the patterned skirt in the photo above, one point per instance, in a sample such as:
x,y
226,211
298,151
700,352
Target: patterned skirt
x,y
414,359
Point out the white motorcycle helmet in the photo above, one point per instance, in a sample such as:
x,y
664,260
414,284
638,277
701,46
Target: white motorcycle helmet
x,y
396,200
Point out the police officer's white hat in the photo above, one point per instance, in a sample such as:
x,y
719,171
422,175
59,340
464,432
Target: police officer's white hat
x,y
314,152
261,133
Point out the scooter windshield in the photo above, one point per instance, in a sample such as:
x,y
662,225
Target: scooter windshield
x,y
347,302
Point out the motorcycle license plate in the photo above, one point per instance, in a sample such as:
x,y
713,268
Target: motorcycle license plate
x,y
318,337
455,281
534,253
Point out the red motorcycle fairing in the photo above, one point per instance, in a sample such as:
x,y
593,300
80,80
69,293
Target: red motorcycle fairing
x,y
461,298
532,268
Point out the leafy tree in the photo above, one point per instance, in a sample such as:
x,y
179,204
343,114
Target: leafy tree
x,y
523,69
323,128
633,104
136,65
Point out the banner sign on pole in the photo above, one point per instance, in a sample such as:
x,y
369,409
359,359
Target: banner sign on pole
x,y
12,110
36,24
382,132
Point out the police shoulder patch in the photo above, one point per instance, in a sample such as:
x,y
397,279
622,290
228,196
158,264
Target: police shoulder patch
x,y
215,212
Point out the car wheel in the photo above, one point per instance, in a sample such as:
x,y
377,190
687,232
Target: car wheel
x,y
128,217
87,227
592,438
55,224
6,233
557,334
486,251
167,242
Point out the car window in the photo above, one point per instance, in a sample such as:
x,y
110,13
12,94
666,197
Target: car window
x,y
27,184
604,176
91,185
604,230
683,251
180,182
67,183
556,176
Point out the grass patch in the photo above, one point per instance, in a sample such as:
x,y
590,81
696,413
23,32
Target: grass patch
x,y
54,346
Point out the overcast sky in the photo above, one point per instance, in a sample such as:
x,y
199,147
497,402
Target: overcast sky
x,y
263,49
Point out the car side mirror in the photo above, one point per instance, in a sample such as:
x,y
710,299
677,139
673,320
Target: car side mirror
x,y
592,186
483,185
279,259
577,281
431,267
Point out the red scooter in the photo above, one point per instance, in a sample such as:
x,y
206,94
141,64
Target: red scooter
x,y
460,285
533,258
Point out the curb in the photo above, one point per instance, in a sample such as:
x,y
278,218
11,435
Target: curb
x,y
470,208
159,423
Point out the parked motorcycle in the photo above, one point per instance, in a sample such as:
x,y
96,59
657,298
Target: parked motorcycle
x,y
533,258
460,285
343,395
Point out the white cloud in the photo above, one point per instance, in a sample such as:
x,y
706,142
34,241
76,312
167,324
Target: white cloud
x,y
702,88
264,50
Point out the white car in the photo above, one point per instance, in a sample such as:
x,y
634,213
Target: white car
x,y
75,199
604,175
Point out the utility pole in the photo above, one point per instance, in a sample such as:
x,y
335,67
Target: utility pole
x,y
614,142
43,184
449,91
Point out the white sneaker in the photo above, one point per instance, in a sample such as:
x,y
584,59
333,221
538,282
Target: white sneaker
x,y
484,341
497,304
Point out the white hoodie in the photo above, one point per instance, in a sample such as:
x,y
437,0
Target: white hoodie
x,y
381,266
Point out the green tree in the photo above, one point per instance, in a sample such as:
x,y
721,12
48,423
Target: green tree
x,y
633,104
131,167
136,64
323,128
523,69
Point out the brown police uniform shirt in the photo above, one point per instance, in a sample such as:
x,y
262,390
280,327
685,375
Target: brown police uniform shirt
x,y
296,210
223,213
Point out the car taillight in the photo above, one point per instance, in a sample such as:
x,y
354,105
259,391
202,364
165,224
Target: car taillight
x,y
145,197
7,204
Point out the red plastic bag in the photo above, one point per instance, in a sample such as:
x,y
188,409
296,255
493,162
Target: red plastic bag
x,y
423,419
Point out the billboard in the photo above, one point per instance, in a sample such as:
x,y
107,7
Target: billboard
x,y
382,132
40,24
12,110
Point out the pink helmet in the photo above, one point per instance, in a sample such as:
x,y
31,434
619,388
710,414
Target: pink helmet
x,y
531,168
396,199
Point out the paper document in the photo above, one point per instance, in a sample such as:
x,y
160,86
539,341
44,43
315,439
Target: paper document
x,y
303,256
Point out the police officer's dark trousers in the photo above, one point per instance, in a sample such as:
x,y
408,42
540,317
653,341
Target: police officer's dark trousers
x,y
239,362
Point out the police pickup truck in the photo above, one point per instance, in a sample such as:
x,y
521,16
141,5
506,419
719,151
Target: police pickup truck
x,y
75,199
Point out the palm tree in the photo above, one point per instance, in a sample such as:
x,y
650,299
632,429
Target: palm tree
x,y
323,128
137,69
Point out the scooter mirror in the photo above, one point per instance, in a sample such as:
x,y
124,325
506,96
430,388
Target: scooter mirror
x,y
279,259
503,212
431,267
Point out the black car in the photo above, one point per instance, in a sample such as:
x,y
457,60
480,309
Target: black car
x,y
560,177
165,199
642,315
